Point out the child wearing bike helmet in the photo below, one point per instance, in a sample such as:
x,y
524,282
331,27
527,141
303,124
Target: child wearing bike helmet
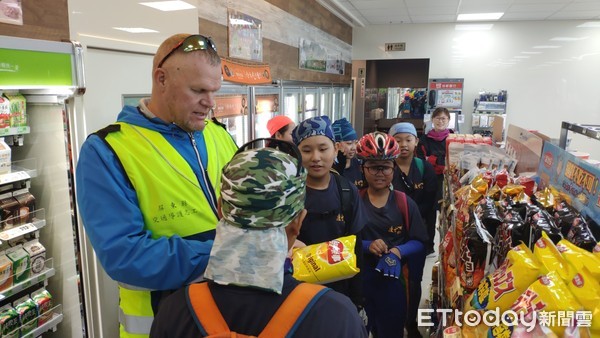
x,y
393,237
333,204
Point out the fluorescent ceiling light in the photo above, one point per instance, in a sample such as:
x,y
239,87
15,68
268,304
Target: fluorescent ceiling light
x,y
479,16
522,57
531,53
591,24
546,47
474,27
135,29
240,22
167,6
564,38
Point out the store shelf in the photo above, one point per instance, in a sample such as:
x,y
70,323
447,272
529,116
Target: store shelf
x,y
50,325
48,272
8,131
592,131
23,229
487,106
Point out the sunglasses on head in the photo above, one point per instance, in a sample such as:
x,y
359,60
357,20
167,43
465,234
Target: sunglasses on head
x,y
283,146
189,44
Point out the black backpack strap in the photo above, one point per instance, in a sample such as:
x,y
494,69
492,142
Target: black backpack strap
x,y
111,128
345,193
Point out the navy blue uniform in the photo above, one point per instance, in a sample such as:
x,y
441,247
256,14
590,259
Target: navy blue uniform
x,y
386,301
354,173
423,190
325,221
248,310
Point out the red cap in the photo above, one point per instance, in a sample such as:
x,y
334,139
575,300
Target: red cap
x,y
277,122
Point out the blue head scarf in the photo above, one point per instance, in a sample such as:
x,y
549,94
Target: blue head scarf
x,y
314,126
343,131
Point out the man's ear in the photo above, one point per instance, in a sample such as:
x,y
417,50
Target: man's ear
x,y
293,229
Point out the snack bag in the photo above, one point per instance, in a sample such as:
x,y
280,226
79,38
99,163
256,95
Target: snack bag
x,y
548,296
579,258
326,262
585,288
550,258
475,254
502,287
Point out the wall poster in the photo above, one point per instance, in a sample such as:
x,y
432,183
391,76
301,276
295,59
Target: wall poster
x,y
313,56
244,35
11,12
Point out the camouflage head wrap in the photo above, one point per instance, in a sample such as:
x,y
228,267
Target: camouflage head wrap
x,y
314,126
261,193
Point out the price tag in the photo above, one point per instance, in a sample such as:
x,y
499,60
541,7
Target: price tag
x,y
18,231
14,177
4,131
23,130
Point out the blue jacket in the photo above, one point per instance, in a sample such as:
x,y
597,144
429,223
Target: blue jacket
x,y
113,222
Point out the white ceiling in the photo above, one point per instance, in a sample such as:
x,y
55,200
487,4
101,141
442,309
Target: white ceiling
x,y
381,12
92,21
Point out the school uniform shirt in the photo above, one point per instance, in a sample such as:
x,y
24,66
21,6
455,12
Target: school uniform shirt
x,y
325,221
247,311
387,223
354,174
421,188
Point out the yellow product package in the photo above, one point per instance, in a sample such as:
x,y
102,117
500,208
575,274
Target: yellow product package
x,y
585,288
579,257
503,286
551,299
550,258
326,262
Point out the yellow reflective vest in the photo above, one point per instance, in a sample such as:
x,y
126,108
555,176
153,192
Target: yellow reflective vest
x,y
170,198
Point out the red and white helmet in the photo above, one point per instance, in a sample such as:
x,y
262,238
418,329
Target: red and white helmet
x,y
377,146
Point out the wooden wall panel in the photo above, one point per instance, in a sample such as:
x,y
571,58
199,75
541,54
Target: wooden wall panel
x,y
282,58
42,19
317,16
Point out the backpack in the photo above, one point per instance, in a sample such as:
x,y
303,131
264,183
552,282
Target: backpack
x,y
401,203
284,322
420,165
345,193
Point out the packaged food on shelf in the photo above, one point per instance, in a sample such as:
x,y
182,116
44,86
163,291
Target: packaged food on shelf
x,y
27,310
43,301
5,157
6,272
18,109
9,212
37,255
21,263
9,322
4,112
26,207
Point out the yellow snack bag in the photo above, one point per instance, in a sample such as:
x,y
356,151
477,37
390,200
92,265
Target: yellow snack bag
x,y
585,288
579,257
326,262
551,299
550,258
503,286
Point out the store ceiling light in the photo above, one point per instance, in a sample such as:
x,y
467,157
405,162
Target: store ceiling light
x,y
564,38
168,6
135,29
531,52
474,27
479,16
590,24
546,47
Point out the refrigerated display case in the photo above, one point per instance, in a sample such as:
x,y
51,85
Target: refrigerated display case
x,y
49,75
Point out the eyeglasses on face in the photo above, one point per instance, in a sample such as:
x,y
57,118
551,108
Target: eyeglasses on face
x,y
189,44
373,170
441,118
281,145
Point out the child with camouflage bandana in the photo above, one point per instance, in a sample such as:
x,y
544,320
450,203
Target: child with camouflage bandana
x,y
262,195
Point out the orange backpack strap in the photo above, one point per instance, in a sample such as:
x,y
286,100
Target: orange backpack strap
x,y
293,310
207,314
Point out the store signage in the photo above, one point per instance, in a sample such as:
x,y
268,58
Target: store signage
x,y
229,105
245,73
34,69
395,47
572,176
